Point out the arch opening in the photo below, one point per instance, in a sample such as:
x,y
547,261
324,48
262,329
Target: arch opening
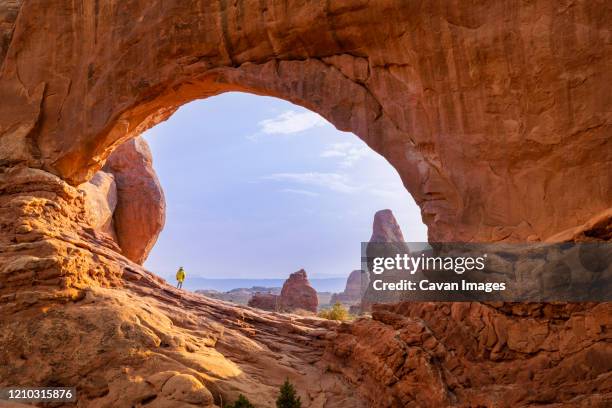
x,y
257,187
328,88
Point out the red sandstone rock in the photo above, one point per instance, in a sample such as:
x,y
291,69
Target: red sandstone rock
x,y
101,201
141,208
487,110
352,291
471,354
385,228
297,294
495,114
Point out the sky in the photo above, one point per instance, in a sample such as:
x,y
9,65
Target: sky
x,y
257,187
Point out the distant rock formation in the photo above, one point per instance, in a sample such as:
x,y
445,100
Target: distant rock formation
x,y
352,291
298,294
265,301
386,228
241,296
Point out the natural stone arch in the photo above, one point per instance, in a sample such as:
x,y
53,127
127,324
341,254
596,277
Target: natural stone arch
x,y
504,104
466,117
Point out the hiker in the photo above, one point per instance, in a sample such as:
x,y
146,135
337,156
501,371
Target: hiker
x,y
180,277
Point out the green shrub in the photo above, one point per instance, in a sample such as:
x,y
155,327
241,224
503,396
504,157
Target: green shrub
x,y
241,402
287,397
337,312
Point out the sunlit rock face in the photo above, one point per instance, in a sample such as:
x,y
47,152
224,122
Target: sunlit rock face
x,y
495,115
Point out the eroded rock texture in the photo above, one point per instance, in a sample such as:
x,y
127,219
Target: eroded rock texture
x,y
101,202
495,114
479,355
490,112
74,311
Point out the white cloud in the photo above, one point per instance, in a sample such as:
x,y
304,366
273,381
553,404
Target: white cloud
x,y
349,153
300,192
290,122
331,181
336,182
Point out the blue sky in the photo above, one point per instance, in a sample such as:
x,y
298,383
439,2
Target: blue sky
x,y
257,187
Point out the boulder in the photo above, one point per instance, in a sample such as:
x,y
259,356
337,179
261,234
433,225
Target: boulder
x,y
141,208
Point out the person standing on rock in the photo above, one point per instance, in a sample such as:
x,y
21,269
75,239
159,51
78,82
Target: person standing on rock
x,y
180,277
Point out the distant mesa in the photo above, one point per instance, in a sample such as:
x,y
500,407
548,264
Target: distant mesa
x,y
239,295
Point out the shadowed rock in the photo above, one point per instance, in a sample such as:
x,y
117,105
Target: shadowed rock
x,y
141,207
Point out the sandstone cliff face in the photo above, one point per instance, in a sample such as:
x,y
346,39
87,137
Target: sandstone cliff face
x,y
471,354
141,208
471,103
297,294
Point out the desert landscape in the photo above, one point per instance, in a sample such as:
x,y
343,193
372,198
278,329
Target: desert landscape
x,y
496,115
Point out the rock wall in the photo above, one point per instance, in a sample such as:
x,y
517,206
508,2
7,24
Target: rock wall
x,y
479,355
101,202
125,200
490,112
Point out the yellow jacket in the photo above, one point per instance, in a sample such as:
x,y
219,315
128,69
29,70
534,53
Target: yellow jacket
x,y
180,275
